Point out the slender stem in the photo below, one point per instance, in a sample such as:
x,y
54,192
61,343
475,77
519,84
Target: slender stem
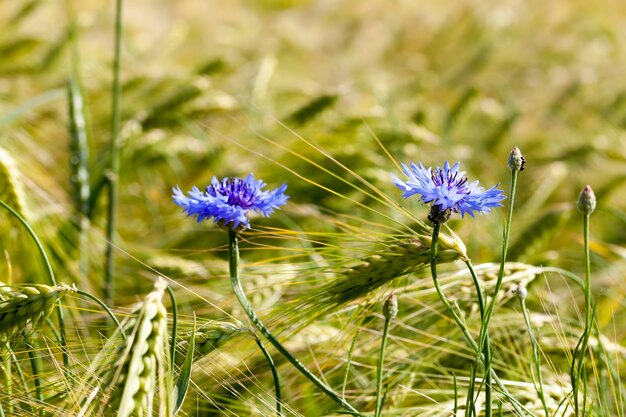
x,y
468,336
174,323
479,291
379,374
35,365
537,376
487,346
18,368
505,247
270,362
109,289
105,308
233,247
456,396
51,278
578,358
486,318
8,384
350,352
587,272
434,248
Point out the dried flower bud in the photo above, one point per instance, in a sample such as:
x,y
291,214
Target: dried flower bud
x,y
586,201
390,308
521,292
516,161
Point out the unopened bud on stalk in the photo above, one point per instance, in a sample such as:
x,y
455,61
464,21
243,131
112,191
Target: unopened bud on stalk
x,y
521,292
390,308
516,161
586,201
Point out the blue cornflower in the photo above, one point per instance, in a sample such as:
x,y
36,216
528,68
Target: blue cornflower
x,y
229,201
448,189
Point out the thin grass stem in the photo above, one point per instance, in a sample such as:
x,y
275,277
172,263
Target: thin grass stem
x,y
8,384
487,347
578,358
233,247
174,323
380,368
35,365
536,363
106,309
18,368
456,396
270,362
505,247
113,177
349,362
51,279
486,317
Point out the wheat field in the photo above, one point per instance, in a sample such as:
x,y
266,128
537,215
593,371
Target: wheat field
x,y
114,302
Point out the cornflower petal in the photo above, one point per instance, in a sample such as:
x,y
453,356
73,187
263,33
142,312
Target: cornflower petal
x,y
448,189
230,200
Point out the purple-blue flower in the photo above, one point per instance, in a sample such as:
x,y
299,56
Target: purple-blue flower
x,y
229,201
448,189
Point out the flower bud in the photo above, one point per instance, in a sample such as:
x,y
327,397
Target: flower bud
x,y
586,201
516,161
390,308
521,292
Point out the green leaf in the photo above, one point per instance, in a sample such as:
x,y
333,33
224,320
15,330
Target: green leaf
x,y
182,385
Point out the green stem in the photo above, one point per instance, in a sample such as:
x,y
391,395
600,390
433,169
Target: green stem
x,y
35,365
113,177
51,278
537,376
379,374
106,309
468,336
8,384
486,318
233,247
578,358
487,346
270,362
456,396
347,373
18,368
505,247
174,323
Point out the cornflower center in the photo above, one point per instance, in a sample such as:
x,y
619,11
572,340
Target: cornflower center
x,y
239,193
451,181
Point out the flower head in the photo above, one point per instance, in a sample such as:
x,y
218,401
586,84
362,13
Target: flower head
x,y
586,201
516,161
229,201
448,190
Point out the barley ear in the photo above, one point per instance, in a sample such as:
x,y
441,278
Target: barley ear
x,y
11,190
142,366
27,305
